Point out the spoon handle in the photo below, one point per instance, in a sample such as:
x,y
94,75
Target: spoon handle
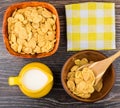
x,y
101,66
113,57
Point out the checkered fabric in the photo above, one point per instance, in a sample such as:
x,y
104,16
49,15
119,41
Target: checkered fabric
x,y
90,25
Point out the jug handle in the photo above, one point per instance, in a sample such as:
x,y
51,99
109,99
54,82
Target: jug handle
x,y
13,81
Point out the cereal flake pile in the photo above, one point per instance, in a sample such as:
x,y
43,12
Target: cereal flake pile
x,y
32,30
81,82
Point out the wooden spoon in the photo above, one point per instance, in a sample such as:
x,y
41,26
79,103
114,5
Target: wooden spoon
x,y
100,67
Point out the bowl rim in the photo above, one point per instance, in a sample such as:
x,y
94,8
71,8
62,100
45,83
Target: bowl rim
x,y
82,99
17,5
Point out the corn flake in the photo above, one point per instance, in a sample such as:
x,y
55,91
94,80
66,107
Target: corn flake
x,y
32,30
81,82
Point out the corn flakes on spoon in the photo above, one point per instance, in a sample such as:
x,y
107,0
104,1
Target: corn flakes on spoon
x,y
100,67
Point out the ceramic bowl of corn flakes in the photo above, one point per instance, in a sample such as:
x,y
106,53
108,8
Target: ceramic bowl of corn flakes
x,y
79,84
31,29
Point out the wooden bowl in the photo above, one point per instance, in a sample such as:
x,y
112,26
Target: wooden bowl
x,y
9,12
108,78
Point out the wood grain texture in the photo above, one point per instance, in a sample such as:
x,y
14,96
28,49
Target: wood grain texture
x,y
11,97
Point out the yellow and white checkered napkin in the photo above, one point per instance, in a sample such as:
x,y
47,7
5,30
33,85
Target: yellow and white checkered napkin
x,y
90,25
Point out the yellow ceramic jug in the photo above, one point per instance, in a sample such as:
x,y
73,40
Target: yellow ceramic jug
x,y
35,80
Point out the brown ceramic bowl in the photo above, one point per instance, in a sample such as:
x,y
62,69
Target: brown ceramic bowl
x,y
108,78
9,12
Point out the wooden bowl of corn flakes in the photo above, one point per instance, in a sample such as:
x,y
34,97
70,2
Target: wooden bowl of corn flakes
x,y
31,29
79,84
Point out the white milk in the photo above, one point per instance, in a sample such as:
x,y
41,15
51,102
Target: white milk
x,y
34,79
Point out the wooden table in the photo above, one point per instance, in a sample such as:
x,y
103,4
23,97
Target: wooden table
x,y
11,97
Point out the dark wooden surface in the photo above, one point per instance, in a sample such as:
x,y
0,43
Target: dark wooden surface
x,y
11,97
